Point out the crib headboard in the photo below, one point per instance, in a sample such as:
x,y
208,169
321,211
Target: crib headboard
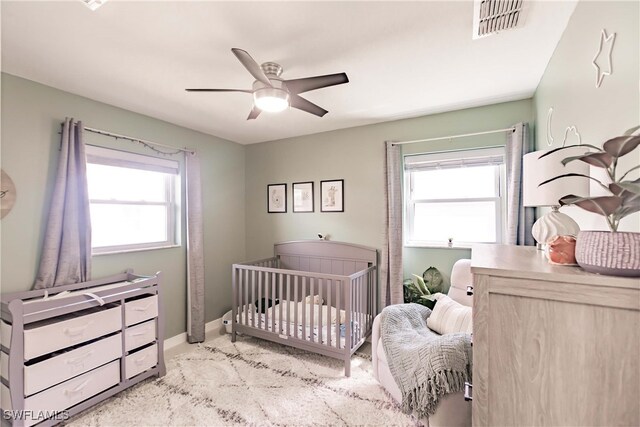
x,y
325,256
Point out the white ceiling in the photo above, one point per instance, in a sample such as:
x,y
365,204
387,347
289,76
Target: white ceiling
x,y
404,59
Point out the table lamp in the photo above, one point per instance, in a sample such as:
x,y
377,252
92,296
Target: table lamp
x,y
536,171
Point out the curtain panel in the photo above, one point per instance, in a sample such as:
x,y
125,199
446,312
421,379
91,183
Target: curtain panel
x,y
519,219
66,250
195,251
391,273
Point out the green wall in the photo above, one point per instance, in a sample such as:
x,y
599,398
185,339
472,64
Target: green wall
x,y
31,117
568,85
357,156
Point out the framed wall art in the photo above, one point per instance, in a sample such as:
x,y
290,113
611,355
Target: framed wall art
x,y
276,198
332,195
302,196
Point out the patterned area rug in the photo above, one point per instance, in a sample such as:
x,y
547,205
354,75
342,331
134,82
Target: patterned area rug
x,y
252,382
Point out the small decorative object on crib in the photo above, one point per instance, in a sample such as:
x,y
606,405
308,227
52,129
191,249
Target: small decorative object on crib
x,y
323,236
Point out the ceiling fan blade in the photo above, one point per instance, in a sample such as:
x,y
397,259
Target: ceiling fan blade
x,y
219,90
302,104
251,65
255,112
311,83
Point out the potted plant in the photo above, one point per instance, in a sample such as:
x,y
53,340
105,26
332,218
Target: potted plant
x,y
421,290
615,253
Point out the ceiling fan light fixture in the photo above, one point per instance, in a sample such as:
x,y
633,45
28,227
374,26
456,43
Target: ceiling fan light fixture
x,y
271,99
94,4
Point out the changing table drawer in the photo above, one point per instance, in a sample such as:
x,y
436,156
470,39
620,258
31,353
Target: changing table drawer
x,y
70,393
139,310
60,334
140,361
139,335
52,371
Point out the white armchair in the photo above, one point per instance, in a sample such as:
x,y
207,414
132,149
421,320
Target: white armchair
x,y
453,410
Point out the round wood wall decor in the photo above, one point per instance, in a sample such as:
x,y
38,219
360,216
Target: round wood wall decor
x,y
7,194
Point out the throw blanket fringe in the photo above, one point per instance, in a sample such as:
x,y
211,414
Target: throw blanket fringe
x,y
426,366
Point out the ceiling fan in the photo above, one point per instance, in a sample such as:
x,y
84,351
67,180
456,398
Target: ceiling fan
x,y
272,93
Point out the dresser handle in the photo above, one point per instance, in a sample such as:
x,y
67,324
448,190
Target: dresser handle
x,y
137,334
76,331
145,308
78,388
141,359
469,290
468,391
78,359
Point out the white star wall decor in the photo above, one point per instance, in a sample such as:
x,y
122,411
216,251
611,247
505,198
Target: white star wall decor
x,y
604,55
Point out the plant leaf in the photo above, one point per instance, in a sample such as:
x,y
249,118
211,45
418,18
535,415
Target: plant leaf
x,y
630,186
421,285
621,145
570,146
571,174
602,160
603,205
433,279
628,210
632,130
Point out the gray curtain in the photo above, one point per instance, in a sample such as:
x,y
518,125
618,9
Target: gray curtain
x,y
195,251
519,219
391,263
66,250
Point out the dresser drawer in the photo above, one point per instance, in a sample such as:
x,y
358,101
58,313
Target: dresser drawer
x,y
5,334
60,368
140,361
70,393
139,335
56,335
139,310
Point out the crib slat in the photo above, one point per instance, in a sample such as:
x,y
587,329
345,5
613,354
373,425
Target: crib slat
x,y
330,284
288,305
274,278
259,305
280,280
304,308
313,306
320,309
338,287
253,295
295,299
265,304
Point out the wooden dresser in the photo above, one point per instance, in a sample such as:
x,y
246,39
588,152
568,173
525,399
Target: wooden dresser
x,y
552,345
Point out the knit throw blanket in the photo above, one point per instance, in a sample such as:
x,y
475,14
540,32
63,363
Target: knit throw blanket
x,y
425,365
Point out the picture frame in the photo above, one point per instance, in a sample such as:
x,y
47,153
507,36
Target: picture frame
x,y
332,195
302,196
276,198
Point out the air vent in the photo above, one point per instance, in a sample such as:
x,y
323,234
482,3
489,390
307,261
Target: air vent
x,y
493,16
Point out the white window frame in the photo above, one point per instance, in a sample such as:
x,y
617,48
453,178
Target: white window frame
x,y
451,157
113,157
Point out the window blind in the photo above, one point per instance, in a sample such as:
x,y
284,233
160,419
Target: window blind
x,y
454,159
110,157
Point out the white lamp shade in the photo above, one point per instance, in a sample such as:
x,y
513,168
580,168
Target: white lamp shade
x,y
536,171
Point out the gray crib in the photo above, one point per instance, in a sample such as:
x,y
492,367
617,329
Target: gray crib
x,y
326,293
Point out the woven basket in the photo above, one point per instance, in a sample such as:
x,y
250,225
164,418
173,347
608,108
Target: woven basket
x,y
611,253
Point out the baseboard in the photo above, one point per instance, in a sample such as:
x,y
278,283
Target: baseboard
x,y
214,328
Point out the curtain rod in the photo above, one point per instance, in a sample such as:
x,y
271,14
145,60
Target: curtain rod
x,y
512,129
138,140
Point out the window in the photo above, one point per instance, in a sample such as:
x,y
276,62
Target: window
x,y
133,200
454,195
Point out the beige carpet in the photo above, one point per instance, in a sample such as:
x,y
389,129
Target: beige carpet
x,y
252,382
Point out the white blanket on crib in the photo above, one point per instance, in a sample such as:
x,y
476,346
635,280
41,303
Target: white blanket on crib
x,y
331,313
